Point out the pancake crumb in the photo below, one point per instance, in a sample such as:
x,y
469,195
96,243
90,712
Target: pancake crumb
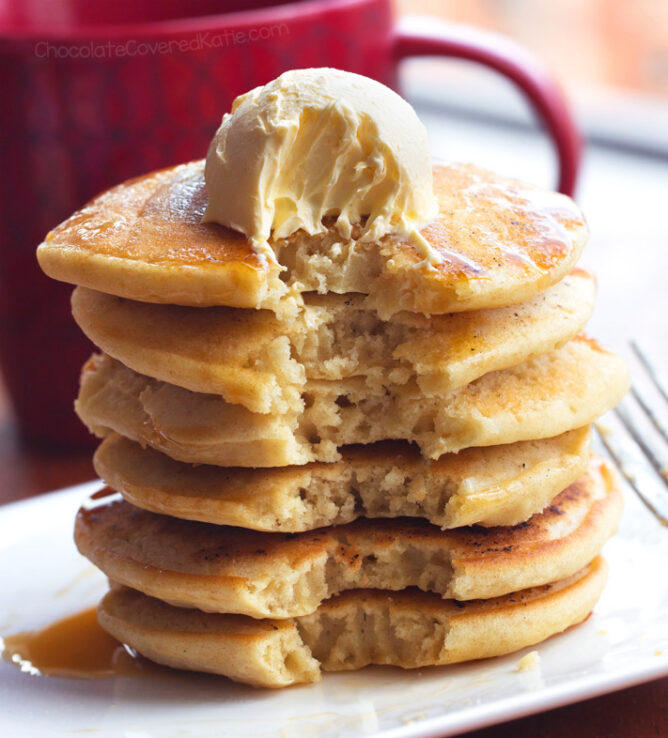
x,y
529,662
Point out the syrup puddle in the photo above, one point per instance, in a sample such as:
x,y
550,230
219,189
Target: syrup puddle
x,y
75,647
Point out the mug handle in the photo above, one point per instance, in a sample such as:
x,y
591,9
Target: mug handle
x,y
515,63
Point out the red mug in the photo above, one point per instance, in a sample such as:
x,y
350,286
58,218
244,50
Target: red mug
x,y
95,93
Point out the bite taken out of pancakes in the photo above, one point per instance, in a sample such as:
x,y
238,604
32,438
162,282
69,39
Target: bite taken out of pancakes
x,y
497,485
541,398
410,629
232,570
249,357
500,242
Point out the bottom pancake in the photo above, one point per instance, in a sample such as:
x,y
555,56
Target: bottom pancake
x,y
410,629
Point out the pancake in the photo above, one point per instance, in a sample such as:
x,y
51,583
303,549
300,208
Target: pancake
x,y
549,395
250,358
410,629
232,570
501,242
497,485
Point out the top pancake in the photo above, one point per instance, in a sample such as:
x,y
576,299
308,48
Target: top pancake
x,y
501,242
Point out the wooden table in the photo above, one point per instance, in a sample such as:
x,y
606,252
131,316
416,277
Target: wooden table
x,y
639,712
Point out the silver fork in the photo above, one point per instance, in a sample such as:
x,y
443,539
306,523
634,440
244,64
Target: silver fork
x,y
637,435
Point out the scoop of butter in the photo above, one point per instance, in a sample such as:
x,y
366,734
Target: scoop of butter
x,y
315,143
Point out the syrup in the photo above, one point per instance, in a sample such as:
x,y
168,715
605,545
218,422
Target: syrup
x,y
75,647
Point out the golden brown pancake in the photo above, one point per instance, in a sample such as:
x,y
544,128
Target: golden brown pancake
x,y
497,485
549,395
232,570
410,629
500,241
251,358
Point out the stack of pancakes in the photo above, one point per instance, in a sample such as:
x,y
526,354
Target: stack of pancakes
x,y
352,459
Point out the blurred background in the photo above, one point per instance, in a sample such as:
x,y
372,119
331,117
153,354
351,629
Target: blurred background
x,y
609,56
595,45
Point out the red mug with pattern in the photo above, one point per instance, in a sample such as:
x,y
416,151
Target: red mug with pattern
x,y
94,93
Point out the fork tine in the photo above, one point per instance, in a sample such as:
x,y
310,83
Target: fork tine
x,y
650,413
635,470
651,371
632,444
636,435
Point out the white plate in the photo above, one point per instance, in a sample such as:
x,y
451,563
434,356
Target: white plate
x,y
43,578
